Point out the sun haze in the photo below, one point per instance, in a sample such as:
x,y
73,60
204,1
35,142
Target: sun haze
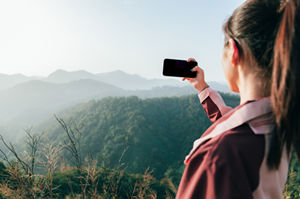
x,y
39,37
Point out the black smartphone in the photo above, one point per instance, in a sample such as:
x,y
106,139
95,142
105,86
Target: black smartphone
x,y
179,68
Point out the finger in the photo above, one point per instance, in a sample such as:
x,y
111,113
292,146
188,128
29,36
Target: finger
x,y
196,68
186,78
191,59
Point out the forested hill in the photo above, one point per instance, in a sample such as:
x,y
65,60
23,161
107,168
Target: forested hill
x,y
155,133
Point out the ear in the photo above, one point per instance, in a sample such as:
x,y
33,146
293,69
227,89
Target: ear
x,y
234,52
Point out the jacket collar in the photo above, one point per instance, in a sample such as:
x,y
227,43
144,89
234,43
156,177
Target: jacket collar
x,y
257,113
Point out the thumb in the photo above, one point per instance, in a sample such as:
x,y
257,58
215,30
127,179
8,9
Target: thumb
x,y
196,68
191,59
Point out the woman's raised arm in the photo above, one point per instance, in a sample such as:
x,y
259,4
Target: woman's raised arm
x,y
211,100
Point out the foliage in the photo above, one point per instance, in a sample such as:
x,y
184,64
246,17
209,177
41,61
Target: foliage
x,y
157,133
108,183
113,148
292,187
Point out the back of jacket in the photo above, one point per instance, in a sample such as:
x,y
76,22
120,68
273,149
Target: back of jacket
x,y
229,160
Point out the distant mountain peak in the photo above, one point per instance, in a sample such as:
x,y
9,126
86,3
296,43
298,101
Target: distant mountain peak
x,y
59,71
63,72
121,73
13,75
115,72
62,76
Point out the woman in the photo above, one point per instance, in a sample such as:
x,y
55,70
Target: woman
x,y
246,151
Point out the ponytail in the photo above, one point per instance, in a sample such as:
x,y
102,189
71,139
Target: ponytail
x,y
285,86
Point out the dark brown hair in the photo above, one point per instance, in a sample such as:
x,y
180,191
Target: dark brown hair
x,y
267,34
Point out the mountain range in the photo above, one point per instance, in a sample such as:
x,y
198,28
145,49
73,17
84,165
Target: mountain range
x,y
117,78
25,101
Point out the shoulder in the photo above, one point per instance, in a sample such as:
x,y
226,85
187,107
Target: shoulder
x,y
238,147
239,142
226,166
234,156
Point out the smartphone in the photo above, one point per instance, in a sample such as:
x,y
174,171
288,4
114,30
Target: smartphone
x,y
179,68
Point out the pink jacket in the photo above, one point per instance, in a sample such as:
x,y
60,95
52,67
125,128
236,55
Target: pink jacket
x,y
229,160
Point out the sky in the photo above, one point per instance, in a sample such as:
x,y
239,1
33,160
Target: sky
x,y
38,37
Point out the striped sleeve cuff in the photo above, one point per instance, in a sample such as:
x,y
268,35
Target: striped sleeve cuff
x,y
204,94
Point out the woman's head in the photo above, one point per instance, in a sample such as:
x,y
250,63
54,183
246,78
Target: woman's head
x,y
251,30
263,36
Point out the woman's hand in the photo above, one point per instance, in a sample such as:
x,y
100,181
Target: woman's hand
x,y
198,82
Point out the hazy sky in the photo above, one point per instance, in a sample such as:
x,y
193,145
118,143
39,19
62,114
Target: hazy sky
x,y
38,37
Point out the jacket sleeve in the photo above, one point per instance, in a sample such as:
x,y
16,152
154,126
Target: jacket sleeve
x,y
213,104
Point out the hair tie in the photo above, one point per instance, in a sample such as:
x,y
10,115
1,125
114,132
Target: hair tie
x,y
283,5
